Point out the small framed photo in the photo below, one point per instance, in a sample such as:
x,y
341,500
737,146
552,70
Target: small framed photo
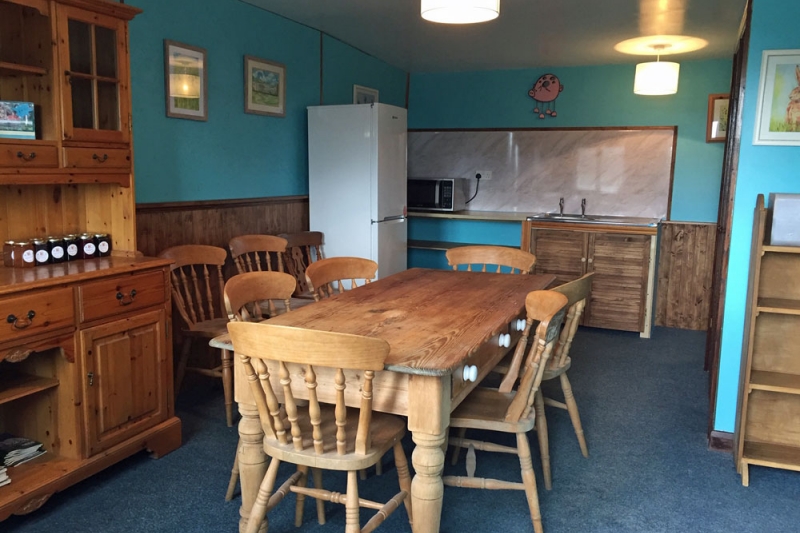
x,y
264,87
186,81
717,122
364,95
778,110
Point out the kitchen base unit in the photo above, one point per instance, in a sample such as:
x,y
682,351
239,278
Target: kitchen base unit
x,y
85,369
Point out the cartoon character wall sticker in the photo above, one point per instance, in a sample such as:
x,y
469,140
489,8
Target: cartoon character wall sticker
x,y
544,92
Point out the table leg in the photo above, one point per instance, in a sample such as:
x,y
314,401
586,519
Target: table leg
x,y
252,461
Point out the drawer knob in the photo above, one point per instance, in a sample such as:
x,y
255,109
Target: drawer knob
x,y
15,321
504,340
470,373
100,159
30,157
126,301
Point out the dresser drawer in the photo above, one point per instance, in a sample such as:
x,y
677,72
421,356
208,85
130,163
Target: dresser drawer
x,y
28,156
36,313
97,158
113,296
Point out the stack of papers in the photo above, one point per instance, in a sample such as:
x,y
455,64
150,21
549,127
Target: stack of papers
x,y
4,479
17,450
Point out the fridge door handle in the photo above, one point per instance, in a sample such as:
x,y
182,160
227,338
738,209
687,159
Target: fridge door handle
x,y
396,218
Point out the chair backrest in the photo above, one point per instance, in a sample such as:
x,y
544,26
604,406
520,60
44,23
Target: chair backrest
x,y
519,261
246,293
302,249
196,281
326,276
577,293
548,308
258,344
257,253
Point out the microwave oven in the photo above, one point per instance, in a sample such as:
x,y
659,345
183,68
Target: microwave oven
x,y
443,194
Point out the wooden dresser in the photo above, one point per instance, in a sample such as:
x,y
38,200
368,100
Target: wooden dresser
x,y
85,346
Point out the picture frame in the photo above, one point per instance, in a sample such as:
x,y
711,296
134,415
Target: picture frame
x,y
264,87
185,81
778,109
717,121
364,95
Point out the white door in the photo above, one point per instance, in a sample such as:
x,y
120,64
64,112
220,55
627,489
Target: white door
x,y
390,240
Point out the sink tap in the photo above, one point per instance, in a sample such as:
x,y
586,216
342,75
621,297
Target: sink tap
x,y
561,206
583,207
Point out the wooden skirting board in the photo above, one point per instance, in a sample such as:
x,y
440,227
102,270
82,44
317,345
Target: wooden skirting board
x,y
685,267
721,441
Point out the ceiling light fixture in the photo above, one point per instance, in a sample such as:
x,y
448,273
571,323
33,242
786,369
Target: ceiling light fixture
x,y
460,11
656,78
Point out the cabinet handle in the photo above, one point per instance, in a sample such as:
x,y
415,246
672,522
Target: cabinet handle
x,y
99,159
123,301
591,260
30,157
583,259
14,321
90,375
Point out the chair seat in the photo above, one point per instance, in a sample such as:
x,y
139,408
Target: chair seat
x,y
207,329
550,373
386,431
486,409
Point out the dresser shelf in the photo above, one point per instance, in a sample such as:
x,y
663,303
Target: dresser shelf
x,y
15,69
783,306
774,381
15,385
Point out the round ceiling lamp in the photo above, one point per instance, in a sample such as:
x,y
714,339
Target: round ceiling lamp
x,y
670,44
658,78
460,11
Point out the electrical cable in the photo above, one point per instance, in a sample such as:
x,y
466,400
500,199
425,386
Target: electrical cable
x,y
477,187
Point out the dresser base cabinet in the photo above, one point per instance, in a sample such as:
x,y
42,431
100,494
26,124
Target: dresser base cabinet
x,y
87,374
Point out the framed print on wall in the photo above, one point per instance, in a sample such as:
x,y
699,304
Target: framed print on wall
x,y
717,121
185,81
264,87
778,110
364,95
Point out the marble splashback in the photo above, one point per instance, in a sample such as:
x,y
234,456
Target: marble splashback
x,y
625,172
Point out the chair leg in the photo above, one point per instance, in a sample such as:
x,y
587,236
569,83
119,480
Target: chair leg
x,y
529,480
259,511
403,475
316,474
572,408
301,498
227,384
462,432
234,476
544,443
352,508
180,372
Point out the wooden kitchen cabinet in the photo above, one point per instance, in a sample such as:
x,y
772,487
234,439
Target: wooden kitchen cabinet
x,y
622,258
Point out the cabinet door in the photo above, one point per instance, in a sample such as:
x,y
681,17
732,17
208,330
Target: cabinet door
x,y
559,252
124,378
620,263
93,54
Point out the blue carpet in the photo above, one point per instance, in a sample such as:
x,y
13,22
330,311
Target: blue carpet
x,y
643,405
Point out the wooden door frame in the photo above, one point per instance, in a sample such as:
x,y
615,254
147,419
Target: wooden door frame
x,y
724,218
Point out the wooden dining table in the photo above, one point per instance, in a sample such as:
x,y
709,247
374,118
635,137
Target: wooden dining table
x,y
439,325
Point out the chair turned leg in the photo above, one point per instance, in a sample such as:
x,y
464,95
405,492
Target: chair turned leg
x,y
227,384
234,476
462,432
403,475
544,443
301,498
259,511
186,349
529,480
572,408
316,474
352,509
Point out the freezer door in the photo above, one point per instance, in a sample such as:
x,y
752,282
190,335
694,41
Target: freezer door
x,y
389,246
390,164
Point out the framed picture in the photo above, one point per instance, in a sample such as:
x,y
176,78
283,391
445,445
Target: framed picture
x,y
778,110
264,87
717,122
364,95
186,81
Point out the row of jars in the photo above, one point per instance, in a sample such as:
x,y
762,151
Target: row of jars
x,y
53,250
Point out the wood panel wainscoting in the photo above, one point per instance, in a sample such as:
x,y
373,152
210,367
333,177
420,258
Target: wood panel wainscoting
x,y
685,267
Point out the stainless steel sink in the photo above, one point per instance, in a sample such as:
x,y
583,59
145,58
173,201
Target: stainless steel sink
x,y
594,219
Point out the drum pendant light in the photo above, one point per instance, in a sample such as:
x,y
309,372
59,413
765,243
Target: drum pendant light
x,y
460,11
656,78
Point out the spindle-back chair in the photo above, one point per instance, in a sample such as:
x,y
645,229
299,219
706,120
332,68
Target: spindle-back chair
x,y
516,260
258,253
327,276
302,249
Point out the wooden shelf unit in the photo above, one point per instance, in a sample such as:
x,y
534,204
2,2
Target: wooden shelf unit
x,y
768,417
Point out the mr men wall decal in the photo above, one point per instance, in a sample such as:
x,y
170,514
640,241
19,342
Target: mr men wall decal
x,y
544,92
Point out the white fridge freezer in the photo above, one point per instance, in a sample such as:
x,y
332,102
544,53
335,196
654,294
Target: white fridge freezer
x,y
357,182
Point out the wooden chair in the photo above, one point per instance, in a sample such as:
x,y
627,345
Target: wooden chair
x,y
518,261
490,409
577,293
197,285
326,276
257,253
321,436
302,249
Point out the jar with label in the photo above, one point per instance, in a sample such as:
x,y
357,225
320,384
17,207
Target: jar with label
x,y
8,254
26,254
71,243
55,245
103,244
87,249
41,255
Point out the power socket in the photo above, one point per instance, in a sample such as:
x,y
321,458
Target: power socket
x,y
486,175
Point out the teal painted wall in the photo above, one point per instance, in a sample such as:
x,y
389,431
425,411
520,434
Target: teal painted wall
x,y
762,169
234,154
